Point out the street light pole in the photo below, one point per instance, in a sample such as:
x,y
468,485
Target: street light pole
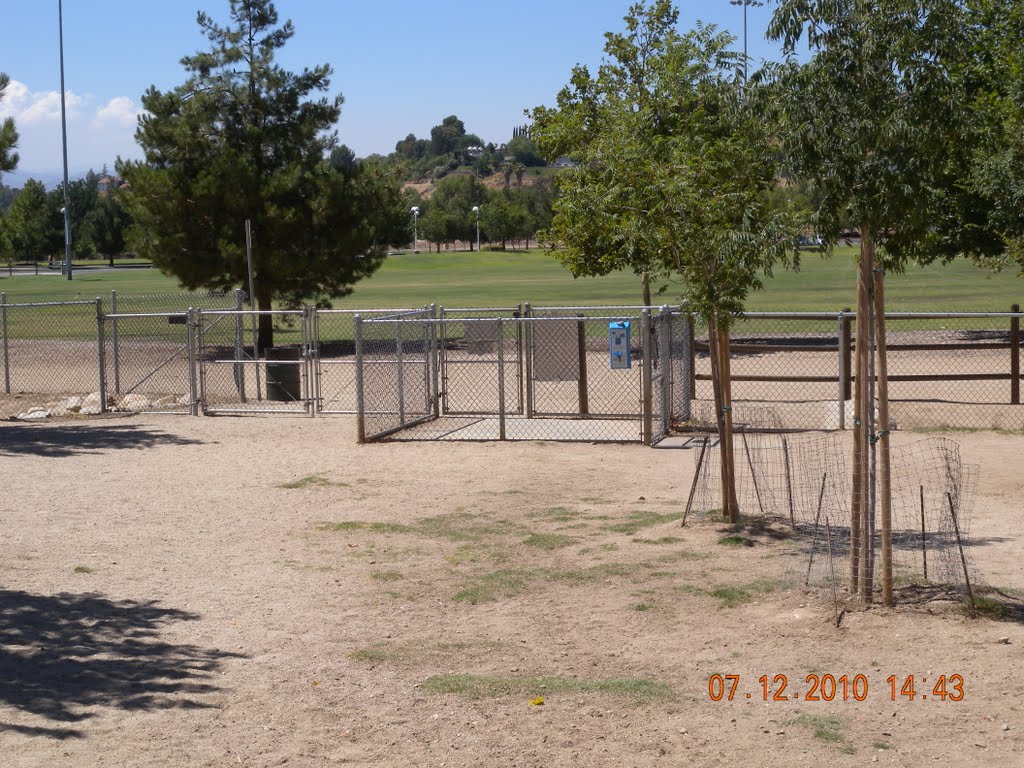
x,y
415,227
64,138
476,210
746,4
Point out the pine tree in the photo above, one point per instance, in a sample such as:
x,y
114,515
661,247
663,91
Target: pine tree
x,y
8,135
243,139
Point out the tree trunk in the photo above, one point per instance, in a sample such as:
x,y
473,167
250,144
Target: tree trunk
x,y
856,508
885,464
647,288
723,418
866,416
265,336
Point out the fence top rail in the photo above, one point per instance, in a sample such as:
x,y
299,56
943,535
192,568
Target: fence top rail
x,y
479,309
91,303
607,307
131,315
251,312
945,315
894,315
386,310
510,320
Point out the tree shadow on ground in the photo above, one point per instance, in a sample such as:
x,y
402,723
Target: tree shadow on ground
x,y
61,654
56,442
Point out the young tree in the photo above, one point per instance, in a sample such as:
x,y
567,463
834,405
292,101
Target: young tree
x,y
243,139
881,118
106,225
81,197
33,223
502,217
449,214
8,135
672,167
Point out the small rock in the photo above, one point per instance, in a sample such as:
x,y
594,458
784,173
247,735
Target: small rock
x,y
1006,726
874,759
1003,641
91,410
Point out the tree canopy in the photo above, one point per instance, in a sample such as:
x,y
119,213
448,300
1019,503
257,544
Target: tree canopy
x,y
244,139
8,135
672,165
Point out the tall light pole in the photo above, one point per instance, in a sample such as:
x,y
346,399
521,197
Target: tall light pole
x,y
64,137
476,210
746,4
415,227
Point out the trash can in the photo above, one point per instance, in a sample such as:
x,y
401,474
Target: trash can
x,y
284,378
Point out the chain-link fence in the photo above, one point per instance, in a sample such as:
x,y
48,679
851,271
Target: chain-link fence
x,y
536,366
945,370
52,358
517,374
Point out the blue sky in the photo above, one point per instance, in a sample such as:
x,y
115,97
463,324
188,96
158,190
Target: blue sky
x,y
402,66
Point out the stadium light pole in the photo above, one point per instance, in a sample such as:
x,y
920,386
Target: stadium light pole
x,y
415,227
476,210
64,139
746,4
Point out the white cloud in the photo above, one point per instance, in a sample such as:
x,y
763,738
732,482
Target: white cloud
x,y
28,107
118,111
97,134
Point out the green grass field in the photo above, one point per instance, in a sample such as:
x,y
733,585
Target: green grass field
x,y
499,279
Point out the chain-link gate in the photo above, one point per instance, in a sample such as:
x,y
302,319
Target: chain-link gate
x,y
396,372
334,353
237,376
151,362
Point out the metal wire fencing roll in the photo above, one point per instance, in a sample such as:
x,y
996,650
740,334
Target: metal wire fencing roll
x,y
803,482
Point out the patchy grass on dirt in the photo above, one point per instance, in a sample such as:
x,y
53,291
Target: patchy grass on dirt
x,y
643,519
313,481
636,690
549,540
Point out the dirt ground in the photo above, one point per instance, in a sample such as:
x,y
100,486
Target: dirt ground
x,y
262,591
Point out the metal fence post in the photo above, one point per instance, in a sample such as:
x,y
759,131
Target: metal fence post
x,y
581,352
689,374
114,343
846,349
7,351
843,379
190,335
400,372
442,391
311,358
200,352
239,347
433,397
101,353
501,380
647,370
665,359
357,327
528,358
1015,355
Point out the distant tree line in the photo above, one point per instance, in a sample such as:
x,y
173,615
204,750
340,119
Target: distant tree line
x,y
32,222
